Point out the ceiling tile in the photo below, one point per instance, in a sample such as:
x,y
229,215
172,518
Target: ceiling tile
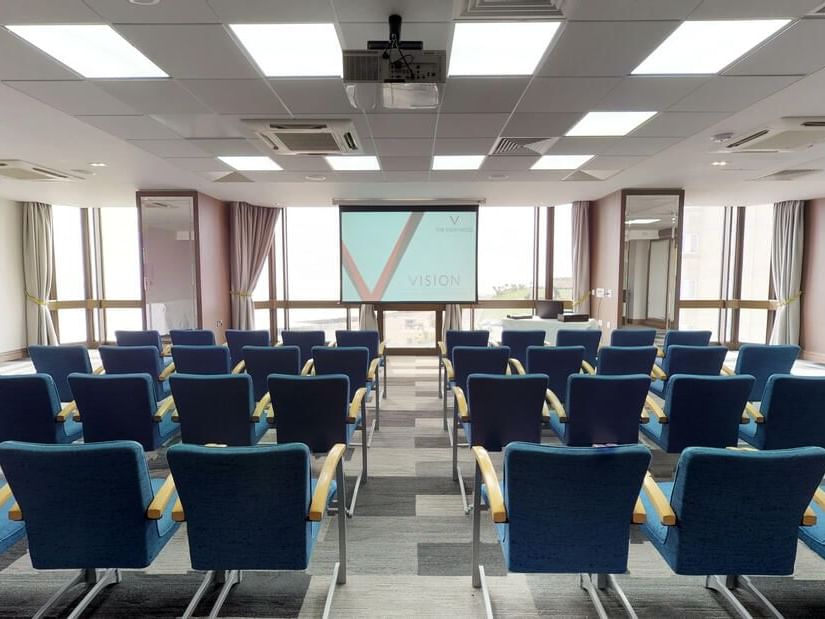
x,y
76,97
608,162
581,145
508,163
565,94
605,48
169,148
202,125
753,9
46,12
406,177
456,176
482,94
405,164
412,147
470,125
639,146
539,125
313,96
463,146
267,11
200,164
154,96
190,50
380,10
131,127
731,93
434,35
799,50
402,125
236,96
649,93
227,147
21,61
176,11
678,124
638,9
302,163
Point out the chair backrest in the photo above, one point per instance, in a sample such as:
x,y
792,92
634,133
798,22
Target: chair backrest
x,y
116,407
616,360
454,338
604,410
353,362
58,362
304,340
478,360
236,339
763,361
134,360
261,361
701,360
84,505
367,339
633,336
28,405
214,409
557,363
265,484
589,338
504,409
569,509
201,359
192,337
518,341
704,411
715,490
794,409
138,338
686,338
311,409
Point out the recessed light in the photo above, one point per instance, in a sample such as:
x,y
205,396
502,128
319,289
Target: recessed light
x,y
317,178
251,164
292,50
499,48
719,163
609,123
367,163
631,222
498,177
97,164
145,2
707,47
561,162
457,162
93,50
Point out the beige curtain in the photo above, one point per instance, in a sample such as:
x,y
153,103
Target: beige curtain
x,y
251,230
367,320
786,269
38,271
581,257
452,319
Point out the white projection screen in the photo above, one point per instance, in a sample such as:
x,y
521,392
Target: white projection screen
x,y
409,254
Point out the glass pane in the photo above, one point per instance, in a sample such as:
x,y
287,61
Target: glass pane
x,y
261,291
324,319
354,317
702,238
280,321
700,319
68,255
563,252
466,319
262,319
505,253
753,326
71,324
121,253
125,319
756,255
279,258
313,252
409,329
541,253
490,319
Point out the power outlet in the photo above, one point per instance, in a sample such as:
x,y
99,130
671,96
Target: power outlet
x,y
608,294
600,292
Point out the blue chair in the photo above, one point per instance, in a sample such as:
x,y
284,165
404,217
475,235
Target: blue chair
x,y
600,410
254,508
305,341
557,363
619,360
791,414
699,411
633,336
11,531
87,507
563,510
316,411
118,407
355,364
812,535
30,411
370,340
236,339
519,341
763,361
589,338
192,337
201,359
699,360
734,513
60,361
139,338
261,361
218,409
684,338
138,360
453,338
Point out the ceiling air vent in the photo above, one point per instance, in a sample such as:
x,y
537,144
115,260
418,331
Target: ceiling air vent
x,y
509,9
785,135
787,175
24,171
307,137
522,146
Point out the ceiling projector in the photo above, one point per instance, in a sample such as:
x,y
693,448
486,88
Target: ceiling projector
x,y
394,74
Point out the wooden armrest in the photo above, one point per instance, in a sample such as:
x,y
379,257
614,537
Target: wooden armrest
x,y
461,403
809,517
727,371
495,500
5,494
448,367
99,370
554,402
644,417
355,405
659,501
240,367
442,348
819,498
545,413
166,351
177,512
167,372
589,369
319,499
262,405
754,413
161,500
381,347
517,366
373,368
164,406
308,367
15,513
639,513
658,373
67,410
660,352
653,407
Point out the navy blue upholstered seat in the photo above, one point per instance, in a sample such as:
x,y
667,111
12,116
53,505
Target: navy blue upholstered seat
x,y
793,414
686,338
633,336
518,341
589,338
618,360
139,338
557,363
261,361
370,340
354,362
305,341
192,337
236,339
10,531
763,361
201,359
58,362
453,338
136,360
702,411
814,536
87,507
117,407
699,360
30,411
468,360
217,409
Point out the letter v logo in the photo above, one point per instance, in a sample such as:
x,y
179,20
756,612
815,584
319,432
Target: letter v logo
x,y
455,219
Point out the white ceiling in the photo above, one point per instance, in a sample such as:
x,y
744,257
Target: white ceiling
x,y
165,134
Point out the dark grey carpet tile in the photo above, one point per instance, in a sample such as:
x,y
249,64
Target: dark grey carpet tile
x,y
398,421
432,441
13,554
262,594
456,559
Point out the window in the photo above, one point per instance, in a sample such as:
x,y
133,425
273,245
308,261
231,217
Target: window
x,y
505,253
563,252
756,272
702,253
410,329
121,254
122,319
69,276
327,320
71,326
261,291
313,254
541,250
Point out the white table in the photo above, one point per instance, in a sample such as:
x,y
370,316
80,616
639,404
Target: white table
x,y
550,326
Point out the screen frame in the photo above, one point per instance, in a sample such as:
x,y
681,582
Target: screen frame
x,y
413,208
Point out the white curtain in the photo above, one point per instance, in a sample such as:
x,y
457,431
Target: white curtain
x,y
251,230
452,319
367,320
581,257
38,271
786,269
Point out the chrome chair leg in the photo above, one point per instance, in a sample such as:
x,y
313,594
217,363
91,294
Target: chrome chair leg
x,y
477,527
88,576
485,593
336,574
110,577
342,523
207,581
731,583
385,376
440,394
229,579
715,583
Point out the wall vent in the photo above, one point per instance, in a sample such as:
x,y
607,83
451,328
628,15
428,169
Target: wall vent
x,y
18,170
787,175
522,146
509,9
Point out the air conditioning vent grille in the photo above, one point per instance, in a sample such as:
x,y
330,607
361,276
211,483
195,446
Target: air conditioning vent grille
x,y
307,137
747,139
25,171
316,142
787,175
362,67
518,146
484,9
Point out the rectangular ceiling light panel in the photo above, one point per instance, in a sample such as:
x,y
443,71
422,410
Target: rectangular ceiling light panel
x,y
457,162
499,48
292,50
251,164
561,162
609,123
367,163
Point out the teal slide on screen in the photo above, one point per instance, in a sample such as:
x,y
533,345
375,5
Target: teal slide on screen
x,y
408,254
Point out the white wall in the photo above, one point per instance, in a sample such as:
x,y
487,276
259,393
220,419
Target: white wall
x,y
12,287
